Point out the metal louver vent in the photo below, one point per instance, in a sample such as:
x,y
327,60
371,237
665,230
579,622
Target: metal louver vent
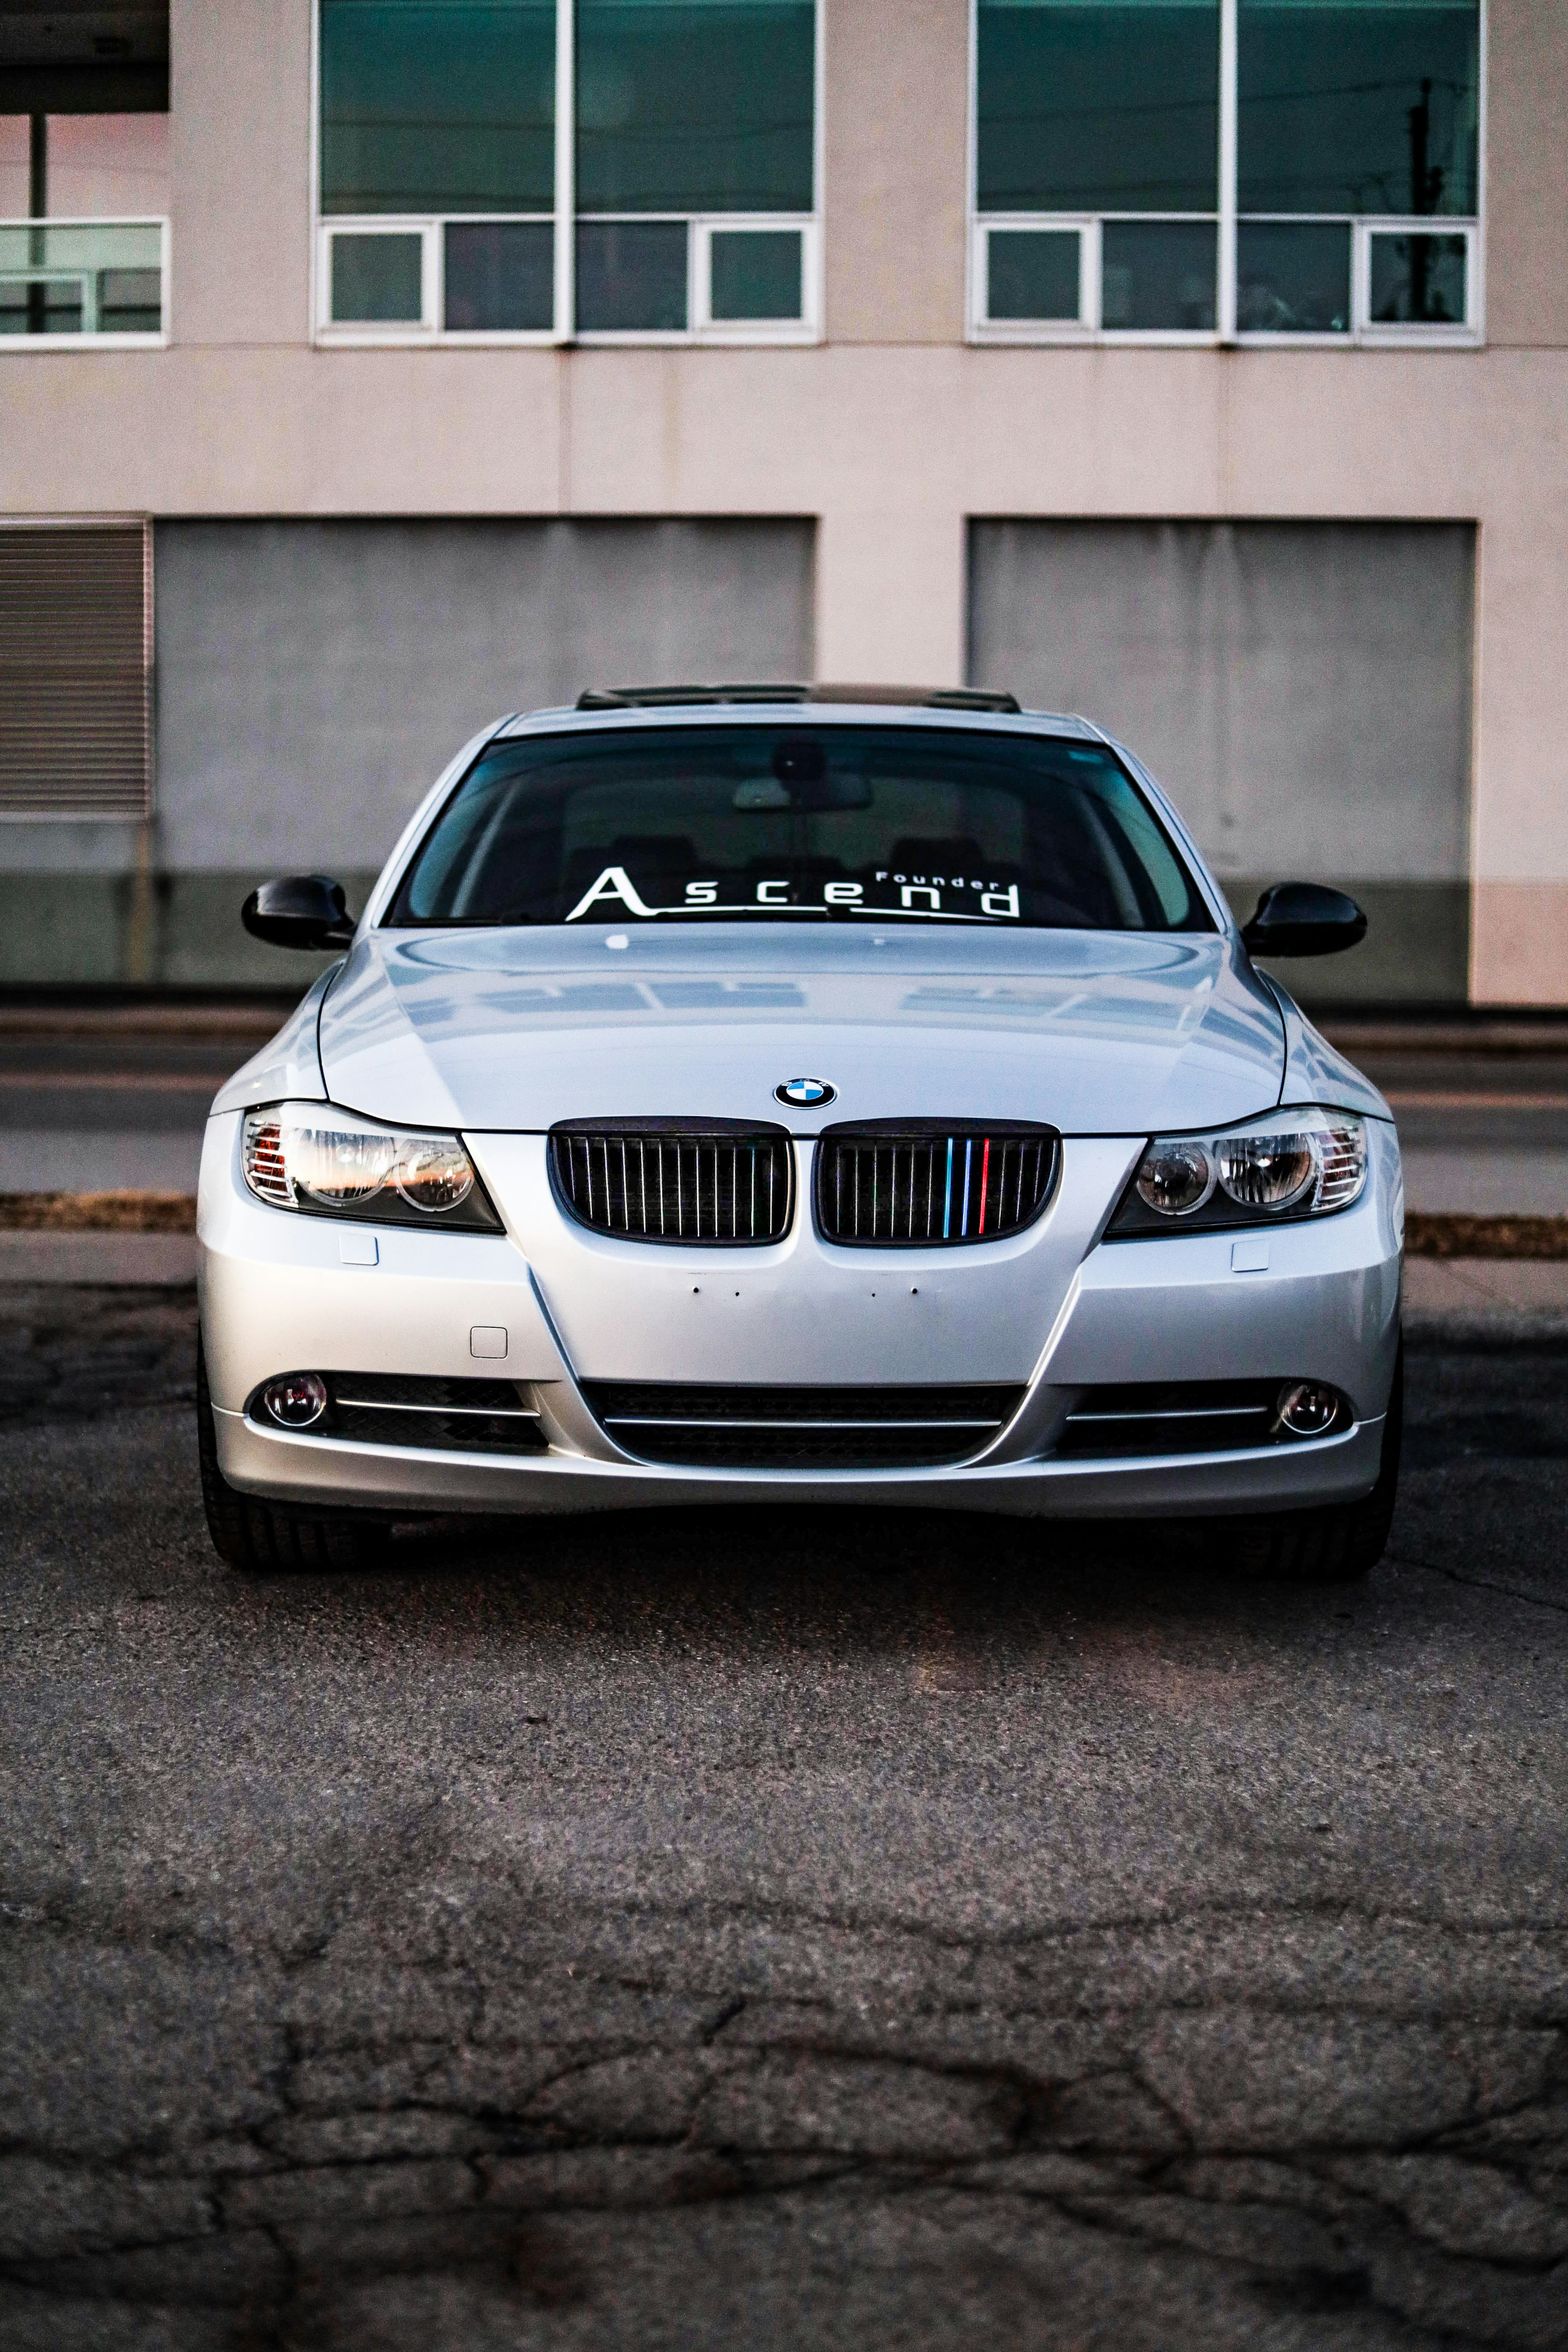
x,y
669,1181
75,659
932,1185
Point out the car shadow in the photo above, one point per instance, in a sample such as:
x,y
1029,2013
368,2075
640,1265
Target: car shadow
x,y
963,1589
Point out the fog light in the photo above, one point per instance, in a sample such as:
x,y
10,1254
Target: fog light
x,y
296,1402
1307,1408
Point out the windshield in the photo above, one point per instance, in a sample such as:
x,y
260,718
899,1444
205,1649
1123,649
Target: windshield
x,y
788,823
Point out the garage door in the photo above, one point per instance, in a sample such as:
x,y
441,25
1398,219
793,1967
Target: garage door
x,y
1304,689
314,678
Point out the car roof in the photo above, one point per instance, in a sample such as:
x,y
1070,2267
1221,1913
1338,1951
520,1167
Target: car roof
x,y
933,698
615,709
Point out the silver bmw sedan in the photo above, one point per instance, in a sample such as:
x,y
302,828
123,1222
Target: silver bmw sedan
x,y
780,1094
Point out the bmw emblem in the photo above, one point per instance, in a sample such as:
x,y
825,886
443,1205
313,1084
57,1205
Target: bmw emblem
x,y
805,1094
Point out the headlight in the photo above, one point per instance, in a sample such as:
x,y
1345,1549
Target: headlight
x,y
333,1163
1295,1163
1175,1178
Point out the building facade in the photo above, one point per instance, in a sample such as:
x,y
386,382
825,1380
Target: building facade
x,y
370,367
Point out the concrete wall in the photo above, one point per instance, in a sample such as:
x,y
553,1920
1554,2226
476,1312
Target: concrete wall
x,y
894,435
1304,689
1527,174
315,677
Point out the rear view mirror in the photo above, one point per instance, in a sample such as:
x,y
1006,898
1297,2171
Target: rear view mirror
x,y
306,911
1303,918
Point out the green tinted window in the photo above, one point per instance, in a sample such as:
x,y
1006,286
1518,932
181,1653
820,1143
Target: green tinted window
x,y
498,276
1158,276
1418,281
1099,105
438,106
1293,277
755,273
377,277
1032,273
695,105
631,277
1370,107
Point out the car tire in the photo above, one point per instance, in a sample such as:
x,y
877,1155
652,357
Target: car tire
x,y
261,1538
1339,1544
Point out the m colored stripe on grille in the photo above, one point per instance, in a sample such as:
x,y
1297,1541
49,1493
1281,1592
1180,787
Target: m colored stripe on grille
x,y
920,1186
652,1186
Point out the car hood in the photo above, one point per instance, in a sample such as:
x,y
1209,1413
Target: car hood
x,y
1095,1033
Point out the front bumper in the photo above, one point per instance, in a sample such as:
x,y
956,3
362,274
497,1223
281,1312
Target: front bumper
x,y
1049,1310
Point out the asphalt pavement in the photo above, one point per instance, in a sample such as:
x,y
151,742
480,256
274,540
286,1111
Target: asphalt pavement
x,y
1481,1132
716,1929
109,1099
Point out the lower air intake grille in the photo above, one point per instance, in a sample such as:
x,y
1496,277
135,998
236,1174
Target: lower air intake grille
x,y
665,1181
455,1416
801,1429
925,1186
459,1416
1173,1417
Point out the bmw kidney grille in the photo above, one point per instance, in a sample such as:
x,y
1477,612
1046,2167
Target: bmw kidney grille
x,y
924,1186
910,1185
665,1182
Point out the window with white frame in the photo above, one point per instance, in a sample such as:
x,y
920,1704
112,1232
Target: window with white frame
x,y
84,246
1231,170
556,169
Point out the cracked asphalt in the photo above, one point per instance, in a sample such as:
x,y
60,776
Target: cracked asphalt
x,y
769,1929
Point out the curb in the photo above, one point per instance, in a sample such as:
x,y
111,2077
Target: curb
x,y
98,1212
136,1261
1456,1234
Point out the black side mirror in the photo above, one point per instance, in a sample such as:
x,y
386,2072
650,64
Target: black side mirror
x,y
1303,918
306,911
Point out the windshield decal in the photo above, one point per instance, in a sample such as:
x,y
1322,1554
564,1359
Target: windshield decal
x,y
615,882
969,899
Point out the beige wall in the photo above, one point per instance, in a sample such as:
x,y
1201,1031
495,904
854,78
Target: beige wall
x,y
239,110
1516,951
896,129
1527,171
